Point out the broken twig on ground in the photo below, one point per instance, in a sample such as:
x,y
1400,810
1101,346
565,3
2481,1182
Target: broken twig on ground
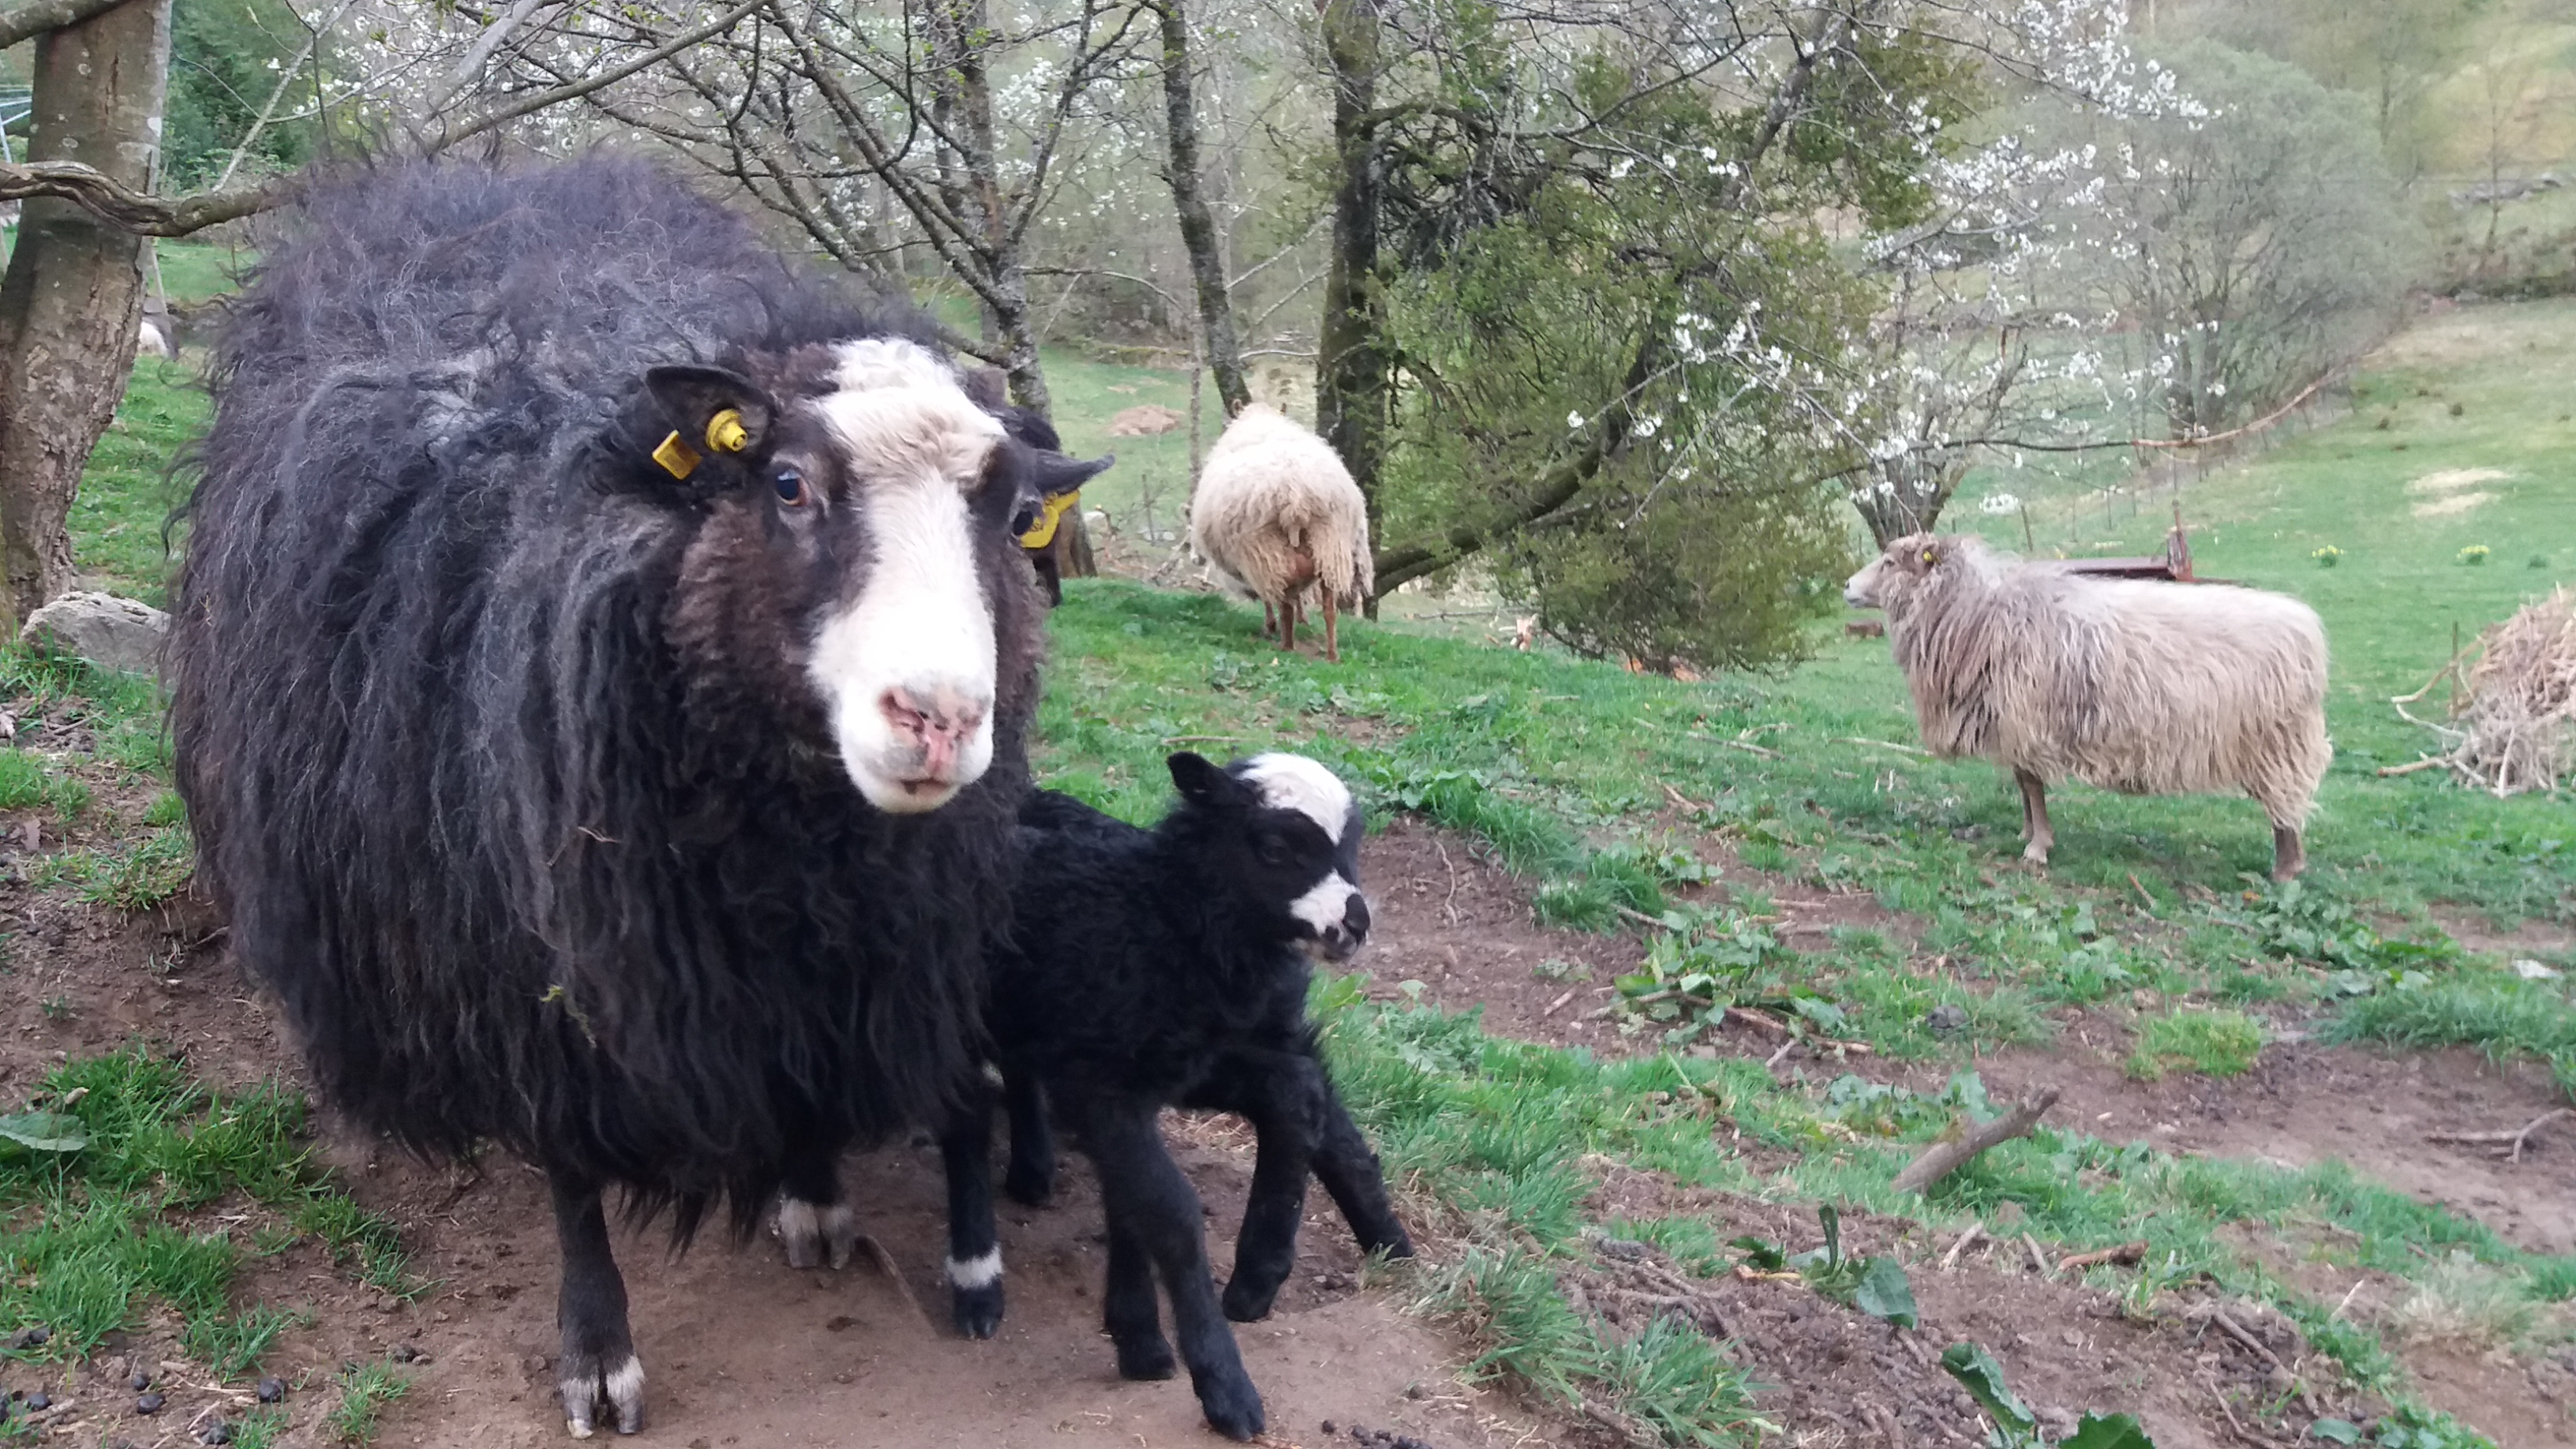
x,y
2512,1142
1950,1259
2125,1253
1946,1155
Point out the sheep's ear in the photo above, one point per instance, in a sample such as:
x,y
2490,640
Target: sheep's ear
x,y
712,410
1199,781
1927,555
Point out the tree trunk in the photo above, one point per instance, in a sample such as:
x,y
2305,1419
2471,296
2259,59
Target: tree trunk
x,y
1352,381
1198,224
71,303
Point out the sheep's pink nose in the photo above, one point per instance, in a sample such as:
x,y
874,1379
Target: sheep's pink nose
x,y
938,722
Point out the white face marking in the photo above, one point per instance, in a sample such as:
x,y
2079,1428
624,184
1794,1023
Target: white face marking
x,y
982,1271
907,668
1323,906
1293,782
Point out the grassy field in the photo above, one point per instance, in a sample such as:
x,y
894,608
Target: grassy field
x,y
1594,784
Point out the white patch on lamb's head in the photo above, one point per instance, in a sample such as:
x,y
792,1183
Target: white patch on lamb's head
x,y
981,1271
906,668
1337,913
881,362
1294,782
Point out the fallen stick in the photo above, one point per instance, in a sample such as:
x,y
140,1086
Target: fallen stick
x,y
2038,1259
1881,745
1945,1156
2429,762
2125,1253
2512,1141
1786,1047
2263,1351
1755,1018
1560,1001
2143,893
1747,746
884,1262
1950,1259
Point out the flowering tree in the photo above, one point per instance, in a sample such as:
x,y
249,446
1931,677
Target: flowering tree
x,y
1624,356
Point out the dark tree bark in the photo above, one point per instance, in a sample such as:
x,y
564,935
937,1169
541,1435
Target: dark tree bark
x,y
71,302
1353,383
1198,224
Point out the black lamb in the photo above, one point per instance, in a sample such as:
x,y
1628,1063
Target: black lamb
x,y
602,665
1169,967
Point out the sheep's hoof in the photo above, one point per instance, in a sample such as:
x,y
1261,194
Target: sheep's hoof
x,y
816,1233
2036,854
1145,1358
1246,1302
978,1311
586,1384
1030,1188
1231,1403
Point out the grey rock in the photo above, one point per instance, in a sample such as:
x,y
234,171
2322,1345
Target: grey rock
x,y
108,631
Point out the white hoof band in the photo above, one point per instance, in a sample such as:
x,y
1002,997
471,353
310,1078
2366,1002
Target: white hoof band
x,y
981,1271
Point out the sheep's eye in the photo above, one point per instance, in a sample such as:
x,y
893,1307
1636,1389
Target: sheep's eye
x,y
791,486
1271,850
1025,517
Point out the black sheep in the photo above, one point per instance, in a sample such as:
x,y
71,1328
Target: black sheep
x,y
1169,967
602,666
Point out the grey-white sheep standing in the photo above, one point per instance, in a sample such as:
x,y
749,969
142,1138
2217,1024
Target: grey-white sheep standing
x,y
2142,687
1277,514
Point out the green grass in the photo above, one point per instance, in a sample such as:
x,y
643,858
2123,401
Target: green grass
x,y
2212,1043
28,781
97,1229
133,875
365,1391
2504,1016
127,491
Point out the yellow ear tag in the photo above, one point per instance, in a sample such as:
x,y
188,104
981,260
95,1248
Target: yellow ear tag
x,y
725,432
1927,555
677,458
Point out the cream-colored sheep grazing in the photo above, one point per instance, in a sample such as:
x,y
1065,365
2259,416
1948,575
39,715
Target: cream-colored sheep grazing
x,y
2147,688
1277,514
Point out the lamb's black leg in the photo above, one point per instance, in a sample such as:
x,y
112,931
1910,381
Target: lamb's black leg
x,y
1144,1193
1128,1309
1031,1176
974,1249
598,1362
1283,1098
1348,1168
813,1222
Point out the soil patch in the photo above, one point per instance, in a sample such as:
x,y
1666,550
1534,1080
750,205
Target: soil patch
x,y
1834,1375
1446,915
2303,1104
742,1349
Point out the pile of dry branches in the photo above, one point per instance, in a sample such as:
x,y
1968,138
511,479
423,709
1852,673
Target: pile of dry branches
x,y
2513,715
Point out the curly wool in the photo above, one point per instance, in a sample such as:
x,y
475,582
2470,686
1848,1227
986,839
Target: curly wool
x,y
505,770
2141,687
1277,513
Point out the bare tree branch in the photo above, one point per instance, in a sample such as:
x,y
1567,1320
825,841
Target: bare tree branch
x,y
30,18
